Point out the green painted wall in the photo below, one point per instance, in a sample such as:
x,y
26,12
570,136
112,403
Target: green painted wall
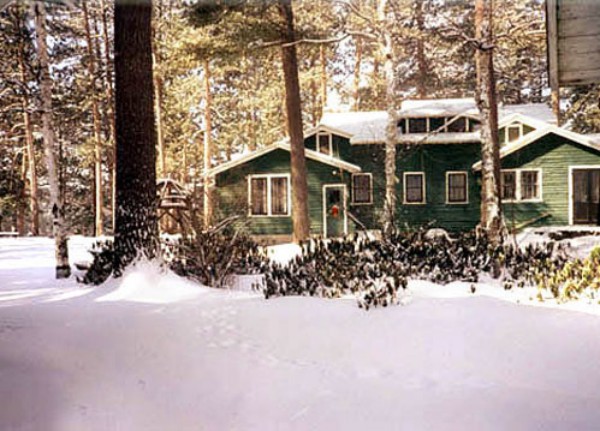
x,y
554,155
232,192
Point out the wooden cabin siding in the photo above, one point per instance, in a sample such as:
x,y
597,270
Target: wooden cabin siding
x,y
232,186
553,155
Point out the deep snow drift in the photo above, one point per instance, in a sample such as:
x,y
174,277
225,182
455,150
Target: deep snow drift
x,y
154,352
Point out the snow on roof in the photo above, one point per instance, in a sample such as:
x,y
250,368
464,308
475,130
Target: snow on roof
x,y
537,134
538,111
438,108
369,127
281,145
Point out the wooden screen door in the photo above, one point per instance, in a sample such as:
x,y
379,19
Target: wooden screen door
x,y
586,196
335,223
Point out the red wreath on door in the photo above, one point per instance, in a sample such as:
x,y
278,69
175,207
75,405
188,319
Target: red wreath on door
x,y
335,211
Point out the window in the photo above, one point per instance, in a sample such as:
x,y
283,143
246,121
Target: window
x,y
258,196
417,125
436,122
458,126
414,188
279,197
530,188
269,195
456,188
513,133
508,185
362,189
521,185
324,144
474,125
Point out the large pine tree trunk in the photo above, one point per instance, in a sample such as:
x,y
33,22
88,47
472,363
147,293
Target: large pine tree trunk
x,y
63,270
97,124
391,129
207,150
294,126
30,149
136,221
491,209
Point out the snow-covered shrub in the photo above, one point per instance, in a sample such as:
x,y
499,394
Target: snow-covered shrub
x,y
374,270
211,257
103,263
576,279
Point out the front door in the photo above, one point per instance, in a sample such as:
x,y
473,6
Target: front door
x,y
334,208
586,196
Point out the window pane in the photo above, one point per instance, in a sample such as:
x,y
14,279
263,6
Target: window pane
x,y
529,185
417,125
508,185
474,125
402,126
279,197
324,144
514,133
414,188
435,123
458,126
258,200
457,187
361,188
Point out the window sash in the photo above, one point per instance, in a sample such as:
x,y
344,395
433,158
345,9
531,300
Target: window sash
x,y
259,197
458,126
513,133
530,188
508,187
417,125
324,143
361,189
457,187
413,188
279,197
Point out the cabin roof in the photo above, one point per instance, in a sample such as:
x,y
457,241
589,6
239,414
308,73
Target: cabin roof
x,y
369,127
532,137
310,154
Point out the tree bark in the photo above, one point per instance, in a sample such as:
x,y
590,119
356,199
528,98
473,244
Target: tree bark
x,y
323,62
110,111
293,105
421,61
491,209
63,270
136,220
391,129
30,149
207,150
98,201
357,66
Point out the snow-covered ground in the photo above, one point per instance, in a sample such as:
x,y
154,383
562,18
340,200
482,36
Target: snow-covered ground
x,y
154,352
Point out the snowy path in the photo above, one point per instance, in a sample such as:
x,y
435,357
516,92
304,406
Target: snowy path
x,y
70,359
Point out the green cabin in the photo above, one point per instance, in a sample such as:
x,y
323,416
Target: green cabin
x,y
550,175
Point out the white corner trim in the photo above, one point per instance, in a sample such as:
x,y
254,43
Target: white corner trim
x,y
423,187
352,202
466,174
269,177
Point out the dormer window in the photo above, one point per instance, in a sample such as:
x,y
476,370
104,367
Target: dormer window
x,y
417,125
438,125
513,133
458,126
325,143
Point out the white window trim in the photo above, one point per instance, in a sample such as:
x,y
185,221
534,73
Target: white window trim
x,y
423,186
571,194
518,194
269,197
513,126
466,201
318,148
352,202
